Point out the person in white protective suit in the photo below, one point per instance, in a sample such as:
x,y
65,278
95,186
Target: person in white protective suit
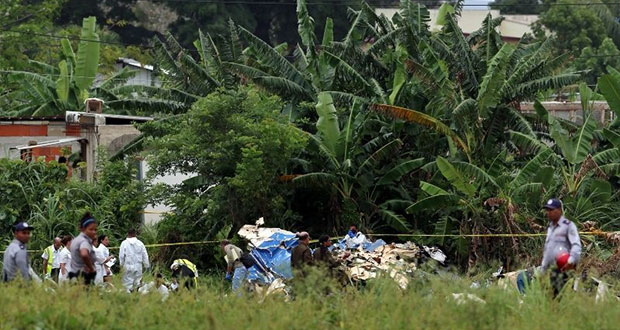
x,y
133,258
354,238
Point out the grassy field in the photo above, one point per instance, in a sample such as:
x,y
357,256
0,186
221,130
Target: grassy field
x,y
426,304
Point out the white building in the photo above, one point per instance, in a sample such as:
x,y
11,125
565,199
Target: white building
x,y
144,76
144,72
512,28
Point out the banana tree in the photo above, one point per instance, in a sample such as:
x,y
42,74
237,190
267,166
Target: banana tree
x,y
471,200
576,156
317,66
56,90
203,74
363,173
42,95
609,86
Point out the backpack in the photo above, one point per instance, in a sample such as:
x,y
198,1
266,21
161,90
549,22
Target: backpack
x,y
247,260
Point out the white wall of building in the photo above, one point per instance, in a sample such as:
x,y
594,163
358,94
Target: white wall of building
x,y
513,26
154,213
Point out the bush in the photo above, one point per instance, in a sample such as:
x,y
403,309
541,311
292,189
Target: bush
x,y
40,193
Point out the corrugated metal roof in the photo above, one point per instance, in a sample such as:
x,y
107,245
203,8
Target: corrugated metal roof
x,y
46,118
49,143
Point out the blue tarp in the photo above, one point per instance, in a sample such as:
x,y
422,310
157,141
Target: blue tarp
x,y
367,246
273,255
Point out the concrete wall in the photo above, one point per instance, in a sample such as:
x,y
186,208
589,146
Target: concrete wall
x,y
115,137
154,212
513,26
573,111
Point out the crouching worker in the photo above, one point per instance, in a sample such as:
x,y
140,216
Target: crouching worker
x,y
237,264
185,273
354,238
159,285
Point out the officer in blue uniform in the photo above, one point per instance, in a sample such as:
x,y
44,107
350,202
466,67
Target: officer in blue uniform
x,y
562,237
16,255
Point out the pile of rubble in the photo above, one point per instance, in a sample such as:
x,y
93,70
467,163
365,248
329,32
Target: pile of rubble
x,y
272,248
398,261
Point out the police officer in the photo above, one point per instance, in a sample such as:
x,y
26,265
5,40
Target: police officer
x,y
562,237
16,255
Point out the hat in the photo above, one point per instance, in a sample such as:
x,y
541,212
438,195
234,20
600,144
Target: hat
x,y
553,204
23,226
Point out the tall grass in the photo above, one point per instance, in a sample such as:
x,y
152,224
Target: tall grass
x,y
428,304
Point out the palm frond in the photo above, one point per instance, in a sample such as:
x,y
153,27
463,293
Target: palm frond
x,y
435,202
489,92
394,220
269,57
284,88
529,171
147,106
421,119
607,156
317,179
464,58
383,153
527,143
117,79
400,170
530,89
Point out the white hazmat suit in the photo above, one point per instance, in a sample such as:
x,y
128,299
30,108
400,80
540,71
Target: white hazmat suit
x,y
133,258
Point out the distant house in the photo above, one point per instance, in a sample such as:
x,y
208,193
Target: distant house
x,y
31,138
145,76
573,111
512,28
144,72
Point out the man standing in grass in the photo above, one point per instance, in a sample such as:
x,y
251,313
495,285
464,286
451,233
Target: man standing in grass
x,y
562,241
301,256
51,260
134,259
16,255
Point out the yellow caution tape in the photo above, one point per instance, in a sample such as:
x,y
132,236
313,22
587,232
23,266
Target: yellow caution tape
x,y
155,212
583,233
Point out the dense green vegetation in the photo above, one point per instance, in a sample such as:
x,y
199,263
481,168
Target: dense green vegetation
x,y
384,123
41,194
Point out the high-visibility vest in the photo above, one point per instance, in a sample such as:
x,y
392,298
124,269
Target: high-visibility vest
x,y
191,267
50,259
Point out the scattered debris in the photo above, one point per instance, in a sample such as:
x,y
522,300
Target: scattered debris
x,y
395,260
151,287
602,290
272,247
462,298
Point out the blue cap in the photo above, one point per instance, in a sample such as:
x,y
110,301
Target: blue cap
x,y
553,204
23,226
